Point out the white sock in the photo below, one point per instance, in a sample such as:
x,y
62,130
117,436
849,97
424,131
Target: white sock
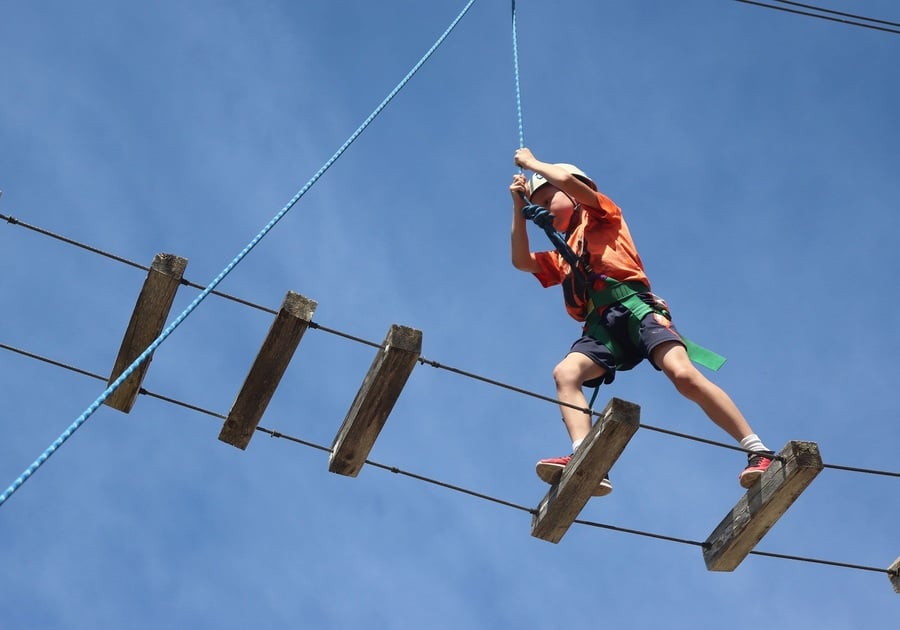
x,y
576,444
753,443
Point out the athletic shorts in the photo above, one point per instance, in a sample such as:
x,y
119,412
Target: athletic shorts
x,y
655,329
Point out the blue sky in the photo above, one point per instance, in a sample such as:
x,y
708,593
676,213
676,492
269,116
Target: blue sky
x,y
754,154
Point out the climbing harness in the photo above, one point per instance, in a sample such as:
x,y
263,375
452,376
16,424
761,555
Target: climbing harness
x,y
627,294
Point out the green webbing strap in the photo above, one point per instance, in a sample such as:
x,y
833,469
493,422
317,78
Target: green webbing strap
x,y
627,295
703,356
616,291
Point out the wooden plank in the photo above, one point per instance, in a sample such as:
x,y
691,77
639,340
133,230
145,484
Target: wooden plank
x,y
147,322
894,574
375,399
265,374
589,465
762,505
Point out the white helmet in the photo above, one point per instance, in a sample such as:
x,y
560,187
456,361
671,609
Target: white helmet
x,y
537,180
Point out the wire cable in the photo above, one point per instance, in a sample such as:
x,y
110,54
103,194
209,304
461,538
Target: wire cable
x,y
65,239
184,281
832,12
873,23
228,268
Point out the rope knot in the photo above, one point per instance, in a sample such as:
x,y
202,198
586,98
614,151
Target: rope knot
x,y
539,215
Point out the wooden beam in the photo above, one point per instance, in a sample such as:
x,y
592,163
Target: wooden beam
x,y
762,505
589,465
894,574
375,399
147,321
265,374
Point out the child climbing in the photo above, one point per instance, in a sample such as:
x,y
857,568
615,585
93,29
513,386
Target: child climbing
x,y
608,289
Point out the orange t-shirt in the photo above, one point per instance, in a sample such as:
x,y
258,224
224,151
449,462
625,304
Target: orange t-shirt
x,y
602,237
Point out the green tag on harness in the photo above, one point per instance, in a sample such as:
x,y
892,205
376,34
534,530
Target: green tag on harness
x,y
703,356
627,295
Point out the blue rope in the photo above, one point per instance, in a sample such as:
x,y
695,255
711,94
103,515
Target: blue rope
x,y
515,41
237,259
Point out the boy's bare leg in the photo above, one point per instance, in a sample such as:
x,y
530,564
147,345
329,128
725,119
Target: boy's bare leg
x,y
672,359
569,375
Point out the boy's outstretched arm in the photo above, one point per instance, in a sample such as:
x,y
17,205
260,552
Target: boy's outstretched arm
x,y
520,249
559,177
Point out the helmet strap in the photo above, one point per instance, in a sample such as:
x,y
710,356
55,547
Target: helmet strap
x,y
576,213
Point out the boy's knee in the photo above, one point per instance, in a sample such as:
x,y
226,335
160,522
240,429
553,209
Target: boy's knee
x,y
688,381
566,374
561,373
573,371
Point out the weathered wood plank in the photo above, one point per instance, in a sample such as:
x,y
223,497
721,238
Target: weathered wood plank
x,y
147,322
762,505
589,465
375,399
895,575
265,374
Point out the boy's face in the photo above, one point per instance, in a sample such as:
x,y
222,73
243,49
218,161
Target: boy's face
x,y
557,202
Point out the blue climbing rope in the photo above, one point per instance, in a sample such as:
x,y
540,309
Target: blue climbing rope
x,y
515,42
237,259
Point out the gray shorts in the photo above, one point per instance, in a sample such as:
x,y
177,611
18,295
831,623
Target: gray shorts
x,y
655,329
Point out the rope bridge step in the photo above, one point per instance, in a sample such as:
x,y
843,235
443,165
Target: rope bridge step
x,y
590,463
265,374
762,505
375,399
147,321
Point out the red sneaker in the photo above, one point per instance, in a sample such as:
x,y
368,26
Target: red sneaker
x,y
757,463
550,470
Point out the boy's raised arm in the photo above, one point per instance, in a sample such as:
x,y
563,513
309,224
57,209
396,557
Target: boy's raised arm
x,y
557,176
520,249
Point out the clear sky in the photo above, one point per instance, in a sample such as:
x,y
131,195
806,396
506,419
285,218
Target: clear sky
x,y
754,153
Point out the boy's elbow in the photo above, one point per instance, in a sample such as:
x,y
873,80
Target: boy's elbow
x,y
524,263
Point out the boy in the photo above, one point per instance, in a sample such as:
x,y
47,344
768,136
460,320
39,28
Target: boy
x,y
593,227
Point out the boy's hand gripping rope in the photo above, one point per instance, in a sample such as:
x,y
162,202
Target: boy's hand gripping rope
x,y
543,218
